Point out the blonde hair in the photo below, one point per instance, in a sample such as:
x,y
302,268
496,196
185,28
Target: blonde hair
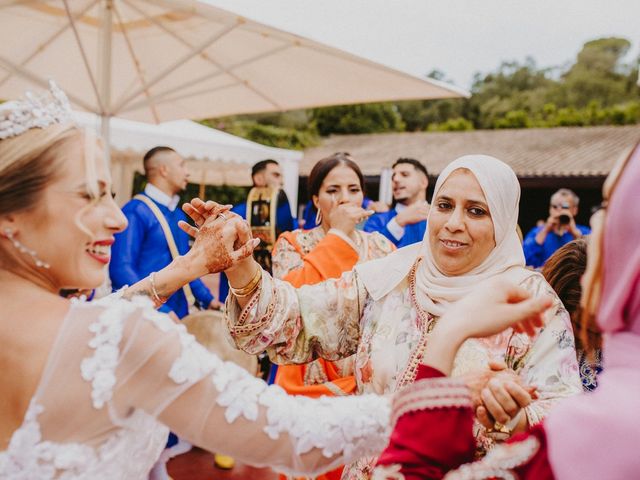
x,y
28,163
31,161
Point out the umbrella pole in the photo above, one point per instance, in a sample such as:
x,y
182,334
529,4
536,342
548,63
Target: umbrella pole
x,y
105,132
203,182
105,76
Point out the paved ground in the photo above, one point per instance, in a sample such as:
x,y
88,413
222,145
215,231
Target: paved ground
x,y
198,465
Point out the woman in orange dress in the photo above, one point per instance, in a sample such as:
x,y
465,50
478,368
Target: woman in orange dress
x,y
306,257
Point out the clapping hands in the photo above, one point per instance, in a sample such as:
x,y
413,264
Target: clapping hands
x,y
222,238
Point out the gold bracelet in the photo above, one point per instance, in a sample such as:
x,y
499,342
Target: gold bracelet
x,y
250,287
154,293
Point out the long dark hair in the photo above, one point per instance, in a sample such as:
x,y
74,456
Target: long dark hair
x,y
322,168
563,271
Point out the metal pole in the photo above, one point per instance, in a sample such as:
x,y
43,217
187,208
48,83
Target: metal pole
x,y
105,76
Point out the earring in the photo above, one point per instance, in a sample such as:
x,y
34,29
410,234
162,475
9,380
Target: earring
x,y
23,249
318,217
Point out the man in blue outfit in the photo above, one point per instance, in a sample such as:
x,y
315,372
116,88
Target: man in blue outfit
x,y
407,221
559,229
144,246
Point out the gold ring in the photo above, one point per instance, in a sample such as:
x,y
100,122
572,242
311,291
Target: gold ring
x,y
499,429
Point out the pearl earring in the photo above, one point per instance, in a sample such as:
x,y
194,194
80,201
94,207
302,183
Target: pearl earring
x,y
23,249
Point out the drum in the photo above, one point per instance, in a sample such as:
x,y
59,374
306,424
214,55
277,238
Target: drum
x,y
209,328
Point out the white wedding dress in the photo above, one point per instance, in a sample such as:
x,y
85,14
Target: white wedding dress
x,y
120,374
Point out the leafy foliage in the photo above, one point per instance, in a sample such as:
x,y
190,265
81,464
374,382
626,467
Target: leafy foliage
x,y
362,118
598,88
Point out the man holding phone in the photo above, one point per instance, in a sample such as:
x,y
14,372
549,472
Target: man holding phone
x,y
559,229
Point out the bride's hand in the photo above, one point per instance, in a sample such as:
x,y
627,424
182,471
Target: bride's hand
x,y
199,211
221,242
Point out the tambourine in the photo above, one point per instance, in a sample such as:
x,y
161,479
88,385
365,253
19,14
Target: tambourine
x,y
262,209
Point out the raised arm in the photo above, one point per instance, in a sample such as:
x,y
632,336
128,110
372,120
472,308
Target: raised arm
x,y
299,325
433,418
220,407
214,250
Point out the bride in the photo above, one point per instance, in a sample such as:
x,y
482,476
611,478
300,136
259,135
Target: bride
x,y
90,390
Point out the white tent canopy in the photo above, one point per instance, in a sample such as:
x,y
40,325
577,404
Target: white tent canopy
x,y
214,157
160,60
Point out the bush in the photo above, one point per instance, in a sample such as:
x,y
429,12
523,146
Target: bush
x,y
452,125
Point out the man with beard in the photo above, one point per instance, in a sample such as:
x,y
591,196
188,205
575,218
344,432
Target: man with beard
x,y
145,246
407,221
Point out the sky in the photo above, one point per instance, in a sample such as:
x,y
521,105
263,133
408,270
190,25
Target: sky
x,y
458,37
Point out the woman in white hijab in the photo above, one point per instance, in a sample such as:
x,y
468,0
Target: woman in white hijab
x,y
384,310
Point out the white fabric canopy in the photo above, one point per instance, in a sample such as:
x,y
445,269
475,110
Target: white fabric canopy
x,y
214,157
159,60
190,139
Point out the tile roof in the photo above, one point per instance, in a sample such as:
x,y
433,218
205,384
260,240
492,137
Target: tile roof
x,y
533,152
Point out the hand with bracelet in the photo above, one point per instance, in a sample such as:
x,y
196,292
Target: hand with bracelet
x,y
491,308
503,399
215,249
499,395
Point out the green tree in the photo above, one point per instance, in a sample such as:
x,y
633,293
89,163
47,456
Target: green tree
x,y
514,86
598,73
451,125
361,118
598,88
266,134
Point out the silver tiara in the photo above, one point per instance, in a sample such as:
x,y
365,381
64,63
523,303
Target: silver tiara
x,y
34,111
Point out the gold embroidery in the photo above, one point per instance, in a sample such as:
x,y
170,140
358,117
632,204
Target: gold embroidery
x,y
429,394
499,462
425,325
388,472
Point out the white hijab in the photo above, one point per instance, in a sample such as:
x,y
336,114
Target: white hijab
x,y
435,290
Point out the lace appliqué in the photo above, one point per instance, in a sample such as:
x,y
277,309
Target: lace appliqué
x,y
29,457
320,427
314,423
388,472
138,437
499,462
194,361
99,369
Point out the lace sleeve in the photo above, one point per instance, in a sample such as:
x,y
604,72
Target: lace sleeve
x,y
298,325
220,407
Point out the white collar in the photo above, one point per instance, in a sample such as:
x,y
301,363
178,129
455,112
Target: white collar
x,y
162,198
400,207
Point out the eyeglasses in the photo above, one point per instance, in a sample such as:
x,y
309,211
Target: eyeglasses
x,y
560,206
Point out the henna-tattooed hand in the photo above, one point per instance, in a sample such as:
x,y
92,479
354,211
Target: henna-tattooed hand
x,y
200,211
221,243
